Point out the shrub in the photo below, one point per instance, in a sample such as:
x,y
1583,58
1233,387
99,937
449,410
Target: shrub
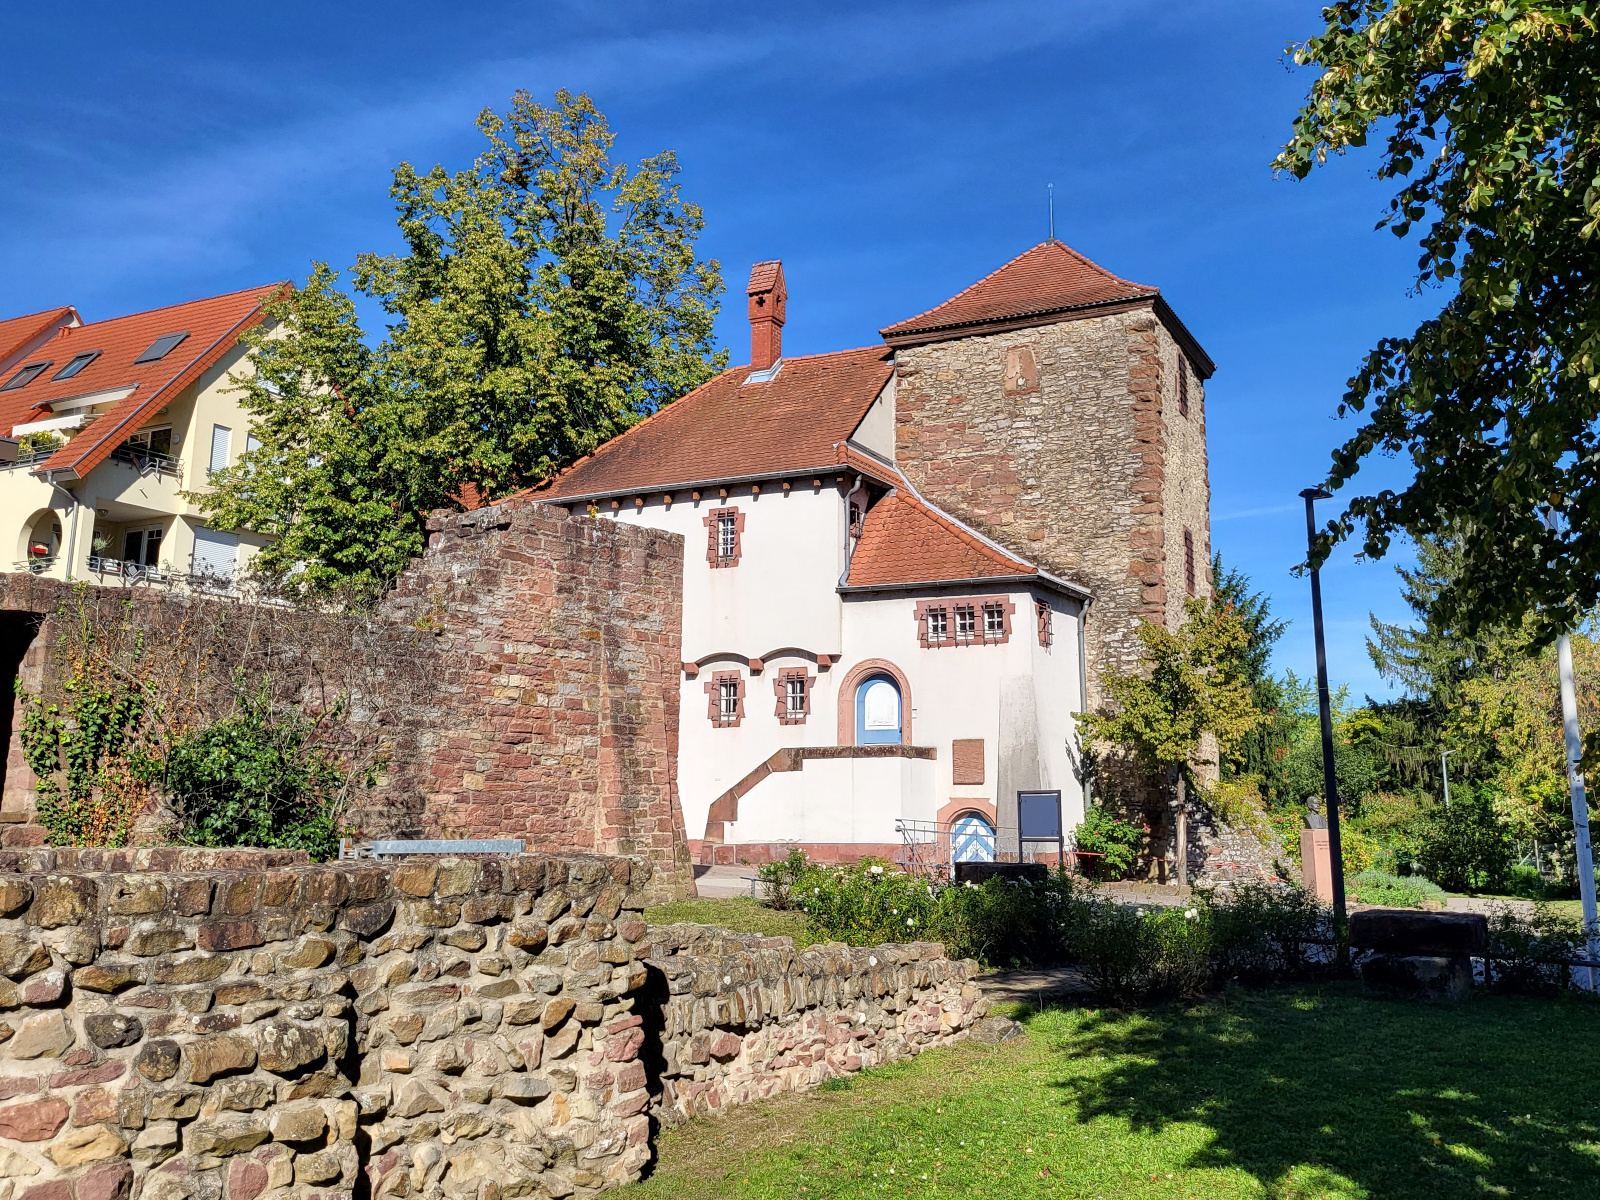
x,y
1394,891
1465,848
1523,946
780,878
1262,932
1528,883
1115,843
1259,934
258,778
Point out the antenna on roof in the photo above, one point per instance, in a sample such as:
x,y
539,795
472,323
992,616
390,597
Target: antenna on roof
x,y
1050,192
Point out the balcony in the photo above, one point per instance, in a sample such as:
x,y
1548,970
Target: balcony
x,y
147,462
130,572
36,566
29,459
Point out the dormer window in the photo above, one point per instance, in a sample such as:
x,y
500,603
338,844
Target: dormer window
x,y
161,347
25,376
78,363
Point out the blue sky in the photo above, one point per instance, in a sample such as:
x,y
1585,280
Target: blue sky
x,y
889,153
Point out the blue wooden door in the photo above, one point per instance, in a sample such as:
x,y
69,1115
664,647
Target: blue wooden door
x,y
878,712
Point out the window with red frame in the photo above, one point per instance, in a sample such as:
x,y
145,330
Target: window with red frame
x,y
1047,634
724,538
1188,562
1183,386
979,621
793,688
725,692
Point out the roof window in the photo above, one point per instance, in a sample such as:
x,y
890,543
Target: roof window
x,y
25,376
78,363
161,347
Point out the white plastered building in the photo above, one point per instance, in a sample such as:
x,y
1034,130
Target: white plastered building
x,y
863,674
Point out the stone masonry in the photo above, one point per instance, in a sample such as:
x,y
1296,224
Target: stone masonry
x,y
558,648
1092,473
235,1025
539,656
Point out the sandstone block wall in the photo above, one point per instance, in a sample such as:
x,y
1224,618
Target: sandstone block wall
x,y
521,681
235,1025
745,1017
554,715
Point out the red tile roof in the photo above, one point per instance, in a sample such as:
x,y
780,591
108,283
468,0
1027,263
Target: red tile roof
x,y
17,332
1049,278
904,541
213,326
730,429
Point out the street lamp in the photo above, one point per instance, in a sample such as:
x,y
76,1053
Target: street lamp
x,y
1330,787
1444,765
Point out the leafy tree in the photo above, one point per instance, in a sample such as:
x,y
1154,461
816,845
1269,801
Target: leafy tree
x,y
1194,682
1260,752
546,299
1489,111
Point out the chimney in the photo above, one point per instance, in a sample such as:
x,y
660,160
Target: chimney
x,y
769,304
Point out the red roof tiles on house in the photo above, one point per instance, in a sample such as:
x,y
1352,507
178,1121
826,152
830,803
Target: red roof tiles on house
x,y
213,326
904,541
17,332
728,429
1050,278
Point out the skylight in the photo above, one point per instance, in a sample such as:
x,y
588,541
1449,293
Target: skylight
x,y
161,347
78,363
25,376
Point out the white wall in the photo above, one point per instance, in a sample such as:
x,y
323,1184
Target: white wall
x,y
782,596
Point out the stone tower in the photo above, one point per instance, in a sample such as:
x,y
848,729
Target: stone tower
x,y
1061,411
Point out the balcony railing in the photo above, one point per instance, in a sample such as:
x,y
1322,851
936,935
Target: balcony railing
x,y
133,572
147,462
26,460
35,566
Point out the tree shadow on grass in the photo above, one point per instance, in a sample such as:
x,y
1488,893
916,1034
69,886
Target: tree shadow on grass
x,y
1330,1093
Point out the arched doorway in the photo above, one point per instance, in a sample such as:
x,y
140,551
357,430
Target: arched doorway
x,y
971,838
878,712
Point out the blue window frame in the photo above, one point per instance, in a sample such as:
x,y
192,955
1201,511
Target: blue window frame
x,y
878,712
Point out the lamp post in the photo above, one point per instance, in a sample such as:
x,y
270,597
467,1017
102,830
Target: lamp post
x,y
1444,765
1330,787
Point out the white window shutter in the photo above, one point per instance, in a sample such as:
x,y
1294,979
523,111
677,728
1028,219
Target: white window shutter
x,y
221,435
216,556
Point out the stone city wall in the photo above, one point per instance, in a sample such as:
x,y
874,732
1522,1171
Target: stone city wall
x,y
235,1025
520,681
745,1016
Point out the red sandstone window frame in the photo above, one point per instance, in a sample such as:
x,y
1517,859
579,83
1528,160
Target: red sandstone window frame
x,y
714,543
1183,385
714,694
780,687
1188,562
966,621
1047,630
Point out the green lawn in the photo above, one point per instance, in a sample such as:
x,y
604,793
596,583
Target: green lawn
x,y
740,914
1287,1095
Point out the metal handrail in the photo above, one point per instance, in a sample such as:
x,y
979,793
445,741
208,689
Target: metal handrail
x,y
35,566
127,569
28,459
146,461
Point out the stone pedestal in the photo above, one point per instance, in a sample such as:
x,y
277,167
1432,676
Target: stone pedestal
x,y
1316,863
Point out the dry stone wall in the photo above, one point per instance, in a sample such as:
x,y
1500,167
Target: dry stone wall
x,y
244,1025
744,1017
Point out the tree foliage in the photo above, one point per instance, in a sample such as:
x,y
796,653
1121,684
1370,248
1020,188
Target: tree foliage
x,y
1194,682
1489,113
546,299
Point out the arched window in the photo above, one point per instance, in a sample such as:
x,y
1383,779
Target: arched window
x,y
878,712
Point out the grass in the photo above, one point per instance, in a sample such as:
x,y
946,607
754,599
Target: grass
x,y
740,914
1292,1094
